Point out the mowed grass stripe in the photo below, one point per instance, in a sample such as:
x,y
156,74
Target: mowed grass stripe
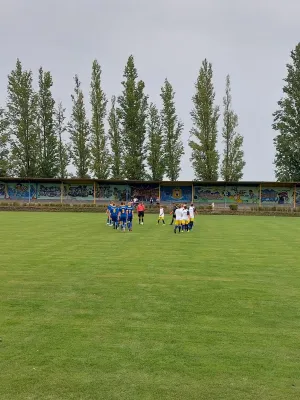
x,y
89,313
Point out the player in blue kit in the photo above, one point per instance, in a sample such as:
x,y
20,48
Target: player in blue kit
x,y
123,216
129,216
108,211
114,212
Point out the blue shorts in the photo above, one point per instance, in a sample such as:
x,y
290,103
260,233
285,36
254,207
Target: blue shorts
x,y
114,218
123,219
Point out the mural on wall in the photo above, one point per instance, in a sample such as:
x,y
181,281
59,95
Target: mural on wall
x,y
242,194
49,191
79,191
297,196
2,190
22,191
112,192
277,195
228,194
144,192
209,194
176,193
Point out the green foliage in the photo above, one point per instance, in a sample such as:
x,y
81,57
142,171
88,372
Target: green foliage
x,y
172,129
132,113
287,124
205,115
22,108
155,146
63,148
4,152
233,157
114,135
48,156
100,158
79,132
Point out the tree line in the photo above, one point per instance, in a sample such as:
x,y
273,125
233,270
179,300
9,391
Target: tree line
x,y
127,137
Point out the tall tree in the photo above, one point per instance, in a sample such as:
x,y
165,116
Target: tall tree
x,y
233,157
63,148
172,129
204,133
115,142
155,146
100,158
22,105
287,124
79,132
48,157
132,113
4,152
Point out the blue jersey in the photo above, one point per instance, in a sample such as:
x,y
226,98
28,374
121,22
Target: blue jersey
x,y
114,211
129,212
123,212
109,207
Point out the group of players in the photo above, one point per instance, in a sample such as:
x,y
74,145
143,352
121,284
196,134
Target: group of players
x,y
121,217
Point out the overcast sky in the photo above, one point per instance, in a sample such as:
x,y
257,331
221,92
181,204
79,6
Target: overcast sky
x,y
249,39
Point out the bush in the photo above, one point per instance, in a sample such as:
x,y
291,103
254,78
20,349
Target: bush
x,y
233,207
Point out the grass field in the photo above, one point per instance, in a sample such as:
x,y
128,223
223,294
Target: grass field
x,y
90,313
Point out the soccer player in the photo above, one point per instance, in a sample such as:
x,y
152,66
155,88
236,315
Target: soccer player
x,y
161,216
185,219
141,213
173,212
192,211
123,216
114,212
178,220
109,221
129,209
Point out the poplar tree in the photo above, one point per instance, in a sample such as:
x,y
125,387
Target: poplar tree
x,y
63,148
233,156
4,152
287,124
155,146
114,135
204,133
79,132
132,113
172,129
22,108
48,157
100,158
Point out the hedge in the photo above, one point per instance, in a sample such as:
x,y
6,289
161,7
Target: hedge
x,y
101,208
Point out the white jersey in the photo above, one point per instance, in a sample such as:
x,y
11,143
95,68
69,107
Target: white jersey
x,y
185,215
178,214
161,212
192,212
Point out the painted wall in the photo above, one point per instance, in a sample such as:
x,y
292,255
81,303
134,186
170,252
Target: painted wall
x,y
277,195
79,192
2,190
49,191
22,191
111,192
226,194
176,193
240,194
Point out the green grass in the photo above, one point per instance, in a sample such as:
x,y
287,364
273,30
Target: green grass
x,y
89,313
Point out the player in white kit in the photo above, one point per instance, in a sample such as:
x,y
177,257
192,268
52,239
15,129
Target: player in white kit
x,y
185,219
192,216
178,220
161,216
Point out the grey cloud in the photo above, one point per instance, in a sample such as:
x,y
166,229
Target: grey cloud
x,y
251,40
